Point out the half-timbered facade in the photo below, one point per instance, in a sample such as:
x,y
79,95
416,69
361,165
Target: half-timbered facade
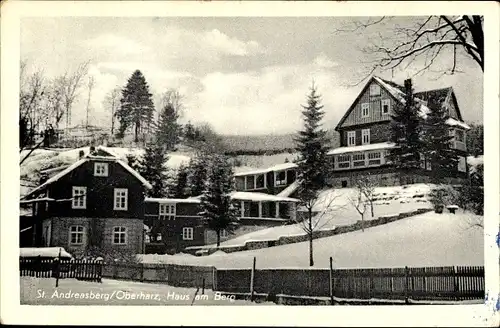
x,y
365,134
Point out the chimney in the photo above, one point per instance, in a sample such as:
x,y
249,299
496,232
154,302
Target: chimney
x,y
408,85
92,149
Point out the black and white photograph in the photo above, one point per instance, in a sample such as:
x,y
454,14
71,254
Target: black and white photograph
x,y
264,161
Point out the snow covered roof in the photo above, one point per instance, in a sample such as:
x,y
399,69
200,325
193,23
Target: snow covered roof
x,y
275,168
173,200
290,189
260,197
454,122
79,163
43,252
395,92
352,149
43,199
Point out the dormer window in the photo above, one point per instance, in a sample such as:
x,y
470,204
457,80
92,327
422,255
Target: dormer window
x,y
101,169
374,90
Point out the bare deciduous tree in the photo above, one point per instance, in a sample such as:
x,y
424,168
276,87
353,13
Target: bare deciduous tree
x,y
112,101
360,203
367,186
70,83
90,86
403,41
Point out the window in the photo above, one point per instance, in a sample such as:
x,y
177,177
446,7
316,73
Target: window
x,y
121,199
343,161
260,181
460,135
250,182
223,233
351,138
119,235
428,165
365,109
101,169
386,106
344,183
166,212
358,160
374,158
187,233
240,183
76,235
374,90
422,161
365,136
280,178
462,166
79,197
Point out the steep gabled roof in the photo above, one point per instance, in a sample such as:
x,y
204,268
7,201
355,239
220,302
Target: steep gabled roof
x,y
78,164
437,97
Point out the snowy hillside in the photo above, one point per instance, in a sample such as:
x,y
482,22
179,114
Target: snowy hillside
x,y
425,240
390,200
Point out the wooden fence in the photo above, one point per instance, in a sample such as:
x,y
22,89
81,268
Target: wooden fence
x,y
426,283
65,268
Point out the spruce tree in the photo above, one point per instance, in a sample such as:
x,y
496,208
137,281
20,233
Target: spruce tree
x,y
217,209
437,144
136,106
406,127
197,172
152,168
313,166
179,187
168,131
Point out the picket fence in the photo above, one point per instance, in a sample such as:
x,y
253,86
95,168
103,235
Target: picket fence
x,y
424,283
89,270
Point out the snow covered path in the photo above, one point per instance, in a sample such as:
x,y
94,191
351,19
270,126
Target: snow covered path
x,y
425,240
42,291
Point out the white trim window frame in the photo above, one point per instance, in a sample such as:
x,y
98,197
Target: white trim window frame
x,y
79,197
386,102
119,235
280,182
343,161
374,158
365,136
187,233
120,199
358,160
224,233
461,164
76,235
365,110
101,169
351,138
166,211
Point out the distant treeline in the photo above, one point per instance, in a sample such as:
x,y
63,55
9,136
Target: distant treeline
x,y
259,152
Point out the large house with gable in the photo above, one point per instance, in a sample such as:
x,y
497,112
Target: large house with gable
x,y
365,134
93,207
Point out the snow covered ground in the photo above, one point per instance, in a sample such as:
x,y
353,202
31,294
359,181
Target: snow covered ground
x,y
390,200
425,240
42,291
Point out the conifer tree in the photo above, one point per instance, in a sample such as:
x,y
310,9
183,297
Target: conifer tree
x,y
179,188
437,144
168,130
136,106
152,168
197,173
217,209
313,168
406,127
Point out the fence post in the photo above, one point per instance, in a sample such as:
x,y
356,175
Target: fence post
x,y
39,265
455,284
407,282
142,271
331,281
252,278
58,260
214,278
203,286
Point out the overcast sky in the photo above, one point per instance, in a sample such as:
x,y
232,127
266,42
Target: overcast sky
x,y
241,75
